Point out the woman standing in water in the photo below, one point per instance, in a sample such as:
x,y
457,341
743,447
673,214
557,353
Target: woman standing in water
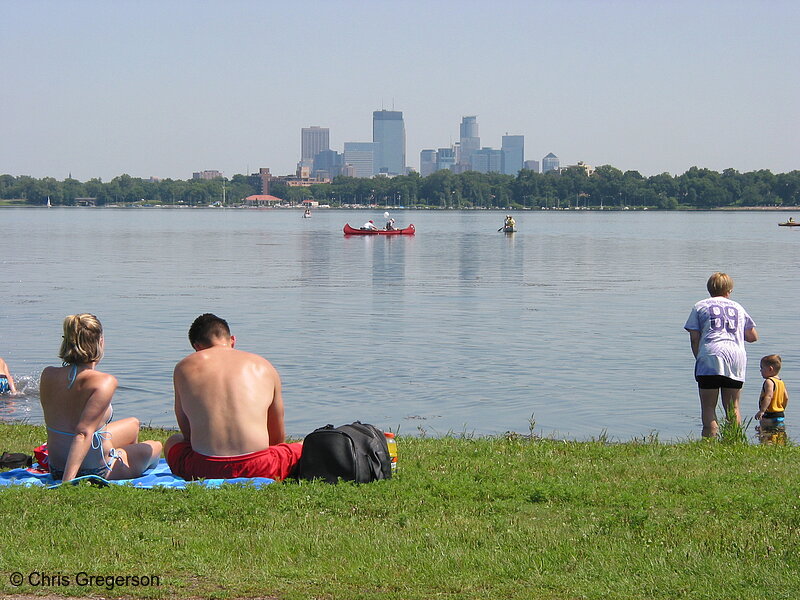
x,y
718,328
76,401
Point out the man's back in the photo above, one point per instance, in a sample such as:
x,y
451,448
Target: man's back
x,y
231,401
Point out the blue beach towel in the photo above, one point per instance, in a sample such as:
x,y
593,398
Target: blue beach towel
x,y
158,476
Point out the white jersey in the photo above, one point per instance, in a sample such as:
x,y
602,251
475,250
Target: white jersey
x,y
721,323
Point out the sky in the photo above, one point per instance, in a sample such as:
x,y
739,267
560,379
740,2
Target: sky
x,y
168,87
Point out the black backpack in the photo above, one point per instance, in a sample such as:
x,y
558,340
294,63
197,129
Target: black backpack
x,y
356,452
14,460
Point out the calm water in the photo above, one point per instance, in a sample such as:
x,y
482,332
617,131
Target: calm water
x,y
576,320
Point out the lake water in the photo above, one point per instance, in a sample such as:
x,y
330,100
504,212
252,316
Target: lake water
x,y
575,321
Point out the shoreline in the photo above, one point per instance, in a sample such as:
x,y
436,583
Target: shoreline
x,y
748,436
415,208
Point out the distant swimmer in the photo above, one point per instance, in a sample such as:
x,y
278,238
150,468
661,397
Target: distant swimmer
x,y
6,380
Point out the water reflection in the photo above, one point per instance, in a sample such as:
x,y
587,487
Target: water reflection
x,y
772,436
576,318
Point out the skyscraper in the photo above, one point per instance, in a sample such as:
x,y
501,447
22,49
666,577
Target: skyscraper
x,y
513,153
427,162
470,141
445,159
327,163
389,132
550,163
487,160
361,156
313,141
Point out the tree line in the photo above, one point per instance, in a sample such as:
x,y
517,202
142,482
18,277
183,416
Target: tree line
x,y
608,187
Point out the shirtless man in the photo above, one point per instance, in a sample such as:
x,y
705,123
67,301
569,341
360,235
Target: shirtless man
x,y
229,409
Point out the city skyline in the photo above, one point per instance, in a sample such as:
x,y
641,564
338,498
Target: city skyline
x,y
386,154
100,89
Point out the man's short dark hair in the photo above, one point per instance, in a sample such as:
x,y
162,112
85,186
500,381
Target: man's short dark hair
x,y
206,328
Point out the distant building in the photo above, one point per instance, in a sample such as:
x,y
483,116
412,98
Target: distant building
x,y
361,156
313,140
445,159
206,175
302,178
328,163
531,165
581,166
513,153
265,177
262,200
487,160
427,162
389,133
550,163
469,140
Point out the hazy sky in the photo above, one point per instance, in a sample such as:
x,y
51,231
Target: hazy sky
x,y
164,88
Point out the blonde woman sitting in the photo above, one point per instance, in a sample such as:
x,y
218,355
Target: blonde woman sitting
x,y
76,401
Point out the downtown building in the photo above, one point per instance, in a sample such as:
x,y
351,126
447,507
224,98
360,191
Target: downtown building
x,y
531,165
208,174
469,142
360,158
313,140
389,137
550,163
431,161
327,163
427,162
487,160
513,150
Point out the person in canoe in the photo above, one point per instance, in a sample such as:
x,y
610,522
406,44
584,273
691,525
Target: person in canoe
x,y
369,226
390,225
510,224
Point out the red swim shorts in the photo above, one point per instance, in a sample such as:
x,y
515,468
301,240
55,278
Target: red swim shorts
x,y
276,462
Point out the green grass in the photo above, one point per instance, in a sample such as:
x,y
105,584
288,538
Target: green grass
x,y
507,517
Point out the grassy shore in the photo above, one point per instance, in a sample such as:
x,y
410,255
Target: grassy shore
x,y
505,517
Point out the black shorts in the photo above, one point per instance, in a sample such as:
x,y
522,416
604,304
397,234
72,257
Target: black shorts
x,y
714,382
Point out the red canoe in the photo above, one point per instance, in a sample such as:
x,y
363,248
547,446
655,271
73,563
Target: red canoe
x,y
353,231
